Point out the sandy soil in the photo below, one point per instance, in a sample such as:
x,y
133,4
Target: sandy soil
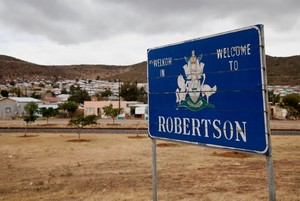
x,y
64,123
118,167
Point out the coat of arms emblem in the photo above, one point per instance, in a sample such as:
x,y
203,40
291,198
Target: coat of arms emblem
x,y
192,88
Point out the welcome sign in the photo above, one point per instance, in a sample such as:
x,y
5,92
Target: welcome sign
x,y
211,91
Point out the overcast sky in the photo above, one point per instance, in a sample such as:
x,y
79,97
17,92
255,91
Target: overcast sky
x,y
53,32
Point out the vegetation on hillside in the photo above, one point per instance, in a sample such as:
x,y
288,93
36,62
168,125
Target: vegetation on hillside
x,y
17,69
283,70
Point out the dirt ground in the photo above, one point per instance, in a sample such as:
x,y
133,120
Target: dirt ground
x,y
118,167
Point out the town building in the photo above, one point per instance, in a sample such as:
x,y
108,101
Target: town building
x,y
277,112
12,107
141,111
96,107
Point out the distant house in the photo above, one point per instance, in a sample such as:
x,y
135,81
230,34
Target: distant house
x,y
14,106
141,110
63,97
276,112
96,107
50,99
47,105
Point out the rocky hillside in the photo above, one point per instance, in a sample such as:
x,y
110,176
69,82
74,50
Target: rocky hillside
x,y
12,68
281,71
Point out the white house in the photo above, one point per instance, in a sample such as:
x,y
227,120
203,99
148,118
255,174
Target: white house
x,y
63,97
141,110
14,106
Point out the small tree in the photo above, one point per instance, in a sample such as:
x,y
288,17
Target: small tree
x,y
129,91
292,103
112,112
4,93
12,83
273,98
35,95
16,90
48,112
106,93
69,106
30,117
81,121
78,95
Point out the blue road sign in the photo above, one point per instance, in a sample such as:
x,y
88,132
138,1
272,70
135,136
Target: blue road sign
x,y
211,91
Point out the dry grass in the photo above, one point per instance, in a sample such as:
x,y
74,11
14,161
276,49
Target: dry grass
x,y
118,167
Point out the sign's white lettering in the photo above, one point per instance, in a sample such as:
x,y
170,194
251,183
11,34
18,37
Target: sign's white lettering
x,y
204,128
236,51
162,62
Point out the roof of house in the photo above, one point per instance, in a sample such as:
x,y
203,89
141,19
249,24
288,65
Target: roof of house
x,y
54,106
24,99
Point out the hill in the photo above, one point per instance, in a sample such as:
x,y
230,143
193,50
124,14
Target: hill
x,y
12,68
281,71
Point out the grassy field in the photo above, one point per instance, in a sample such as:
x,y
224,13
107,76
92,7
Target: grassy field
x,y
118,167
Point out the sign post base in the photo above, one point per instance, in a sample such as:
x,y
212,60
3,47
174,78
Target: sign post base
x,y
154,187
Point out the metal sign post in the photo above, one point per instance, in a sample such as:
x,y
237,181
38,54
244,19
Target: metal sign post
x,y
154,179
212,91
269,160
271,181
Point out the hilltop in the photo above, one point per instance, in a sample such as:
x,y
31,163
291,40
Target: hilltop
x,y
281,71
12,68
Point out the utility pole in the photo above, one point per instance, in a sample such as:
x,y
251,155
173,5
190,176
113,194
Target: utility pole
x,y
119,94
